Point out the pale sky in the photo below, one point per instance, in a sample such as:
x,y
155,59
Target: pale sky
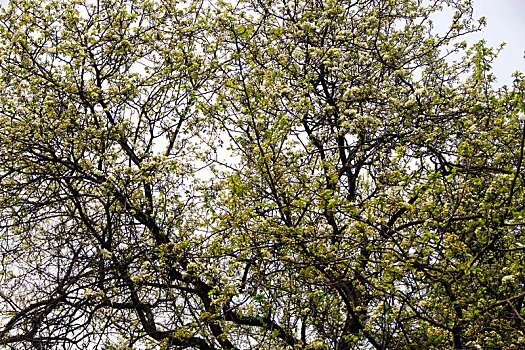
x,y
505,23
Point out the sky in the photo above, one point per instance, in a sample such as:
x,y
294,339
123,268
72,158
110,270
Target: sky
x,y
504,24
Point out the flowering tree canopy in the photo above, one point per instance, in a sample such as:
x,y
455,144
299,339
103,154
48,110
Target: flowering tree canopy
x,y
280,174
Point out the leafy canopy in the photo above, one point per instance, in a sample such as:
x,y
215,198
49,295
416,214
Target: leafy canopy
x,y
280,174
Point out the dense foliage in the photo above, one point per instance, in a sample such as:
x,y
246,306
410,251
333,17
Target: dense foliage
x,y
280,174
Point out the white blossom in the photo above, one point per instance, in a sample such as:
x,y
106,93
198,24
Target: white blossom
x,y
509,278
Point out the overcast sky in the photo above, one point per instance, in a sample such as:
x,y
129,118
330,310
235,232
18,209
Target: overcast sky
x,y
505,23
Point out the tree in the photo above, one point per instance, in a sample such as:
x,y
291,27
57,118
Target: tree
x,y
256,175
